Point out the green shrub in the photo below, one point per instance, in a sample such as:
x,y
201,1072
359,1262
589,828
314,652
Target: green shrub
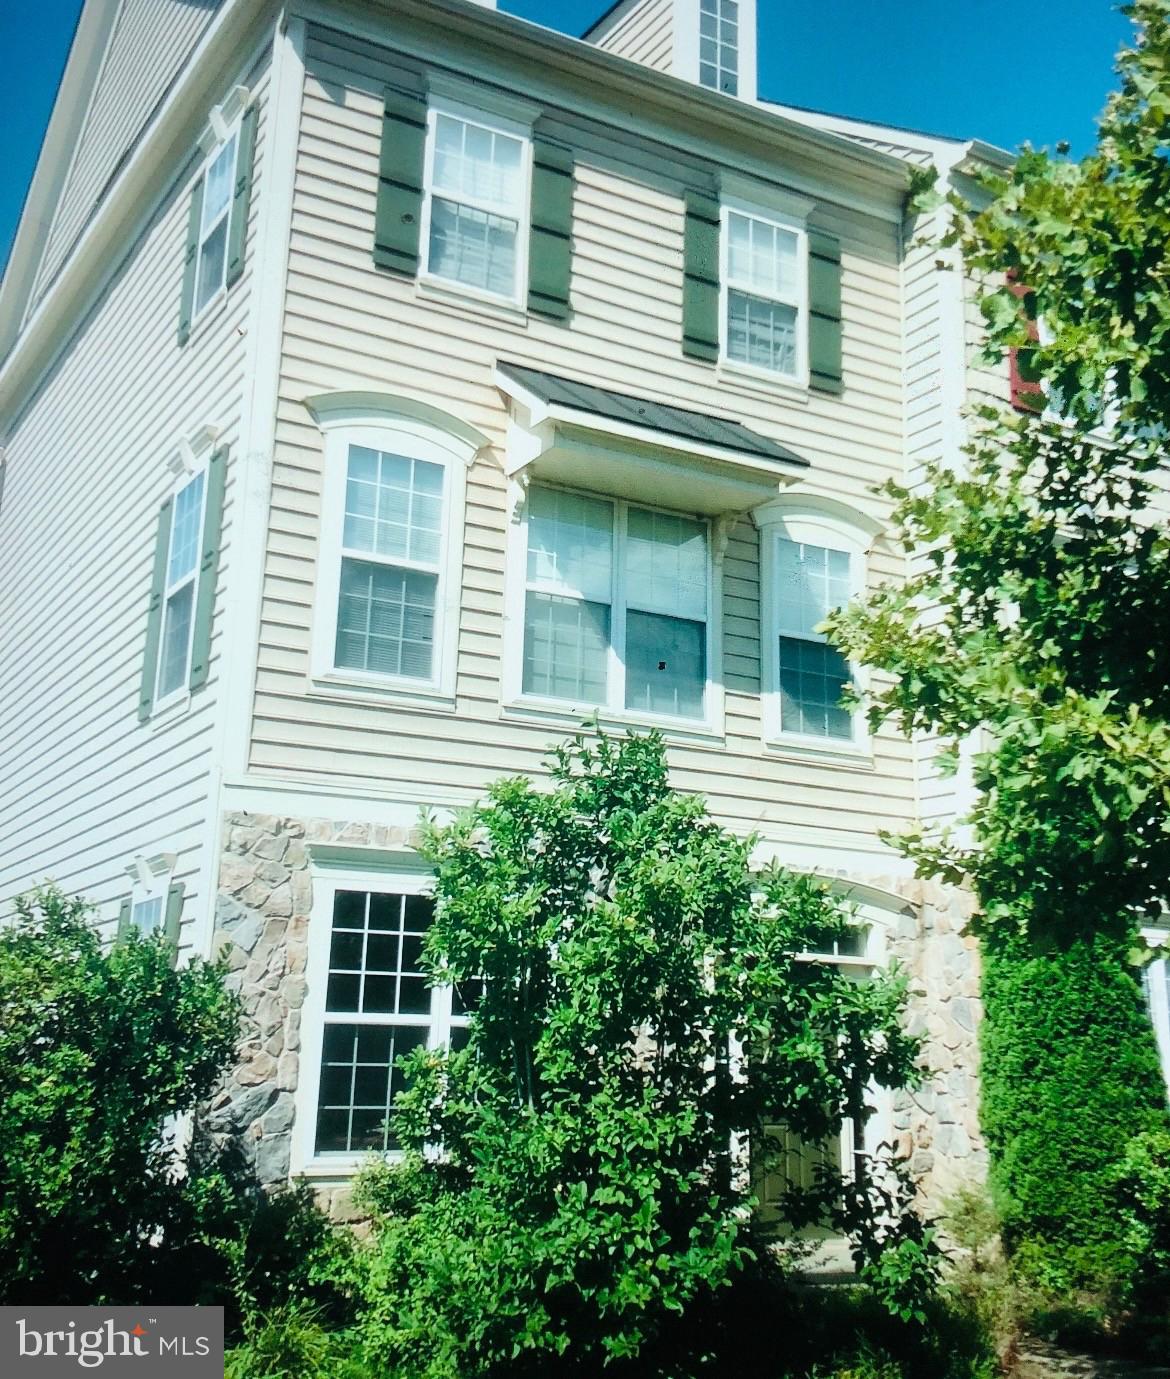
x,y
1070,1074
292,1342
586,1208
98,1052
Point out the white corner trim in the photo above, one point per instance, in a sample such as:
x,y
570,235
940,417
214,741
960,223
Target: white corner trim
x,y
347,409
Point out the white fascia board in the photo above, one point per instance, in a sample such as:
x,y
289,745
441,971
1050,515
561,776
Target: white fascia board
x,y
130,202
54,162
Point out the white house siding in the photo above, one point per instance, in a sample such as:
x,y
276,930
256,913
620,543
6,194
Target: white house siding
x,y
643,32
348,326
85,785
148,48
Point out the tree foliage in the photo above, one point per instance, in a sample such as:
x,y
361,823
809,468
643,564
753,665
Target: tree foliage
x,y
645,1007
1032,635
98,1050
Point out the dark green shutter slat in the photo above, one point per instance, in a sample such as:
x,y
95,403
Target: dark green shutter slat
x,y
400,182
174,916
550,255
122,932
824,303
208,570
241,196
154,611
701,277
187,304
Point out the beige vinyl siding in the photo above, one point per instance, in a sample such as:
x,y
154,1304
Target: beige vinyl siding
x,y
148,48
349,327
642,32
86,787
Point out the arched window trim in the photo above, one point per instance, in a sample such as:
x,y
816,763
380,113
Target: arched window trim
x,y
415,429
820,521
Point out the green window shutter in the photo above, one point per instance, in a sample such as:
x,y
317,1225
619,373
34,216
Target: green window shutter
x,y
194,219
154,611
400,182
701,277
241,196
208,569
550,254
122,932
173,917
824,304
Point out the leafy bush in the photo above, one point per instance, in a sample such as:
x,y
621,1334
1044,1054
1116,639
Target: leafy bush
x,y
644,1004
293,1342
98,1052
1066,1030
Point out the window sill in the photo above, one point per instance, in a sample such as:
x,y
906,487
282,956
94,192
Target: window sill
x,y
468,301
359,689
169,710
761,383
611,720
844,756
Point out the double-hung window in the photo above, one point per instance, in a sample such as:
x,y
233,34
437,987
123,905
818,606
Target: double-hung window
x,y
182,577
811,581
765,291
475,216
719,45
391,552
211,271
374,1005
615,605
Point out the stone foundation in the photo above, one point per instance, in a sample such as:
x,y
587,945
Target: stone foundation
x,y
262,918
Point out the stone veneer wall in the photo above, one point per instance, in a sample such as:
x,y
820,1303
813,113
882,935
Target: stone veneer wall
x,y
262,916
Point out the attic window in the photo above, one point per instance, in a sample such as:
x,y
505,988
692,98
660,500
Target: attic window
x,y
719,45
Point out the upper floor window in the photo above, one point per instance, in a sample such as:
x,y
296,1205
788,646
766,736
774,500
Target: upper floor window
x,y
476,203
391,542
719,45
211,273
185,545
764,293
813,558
374,1003
615,605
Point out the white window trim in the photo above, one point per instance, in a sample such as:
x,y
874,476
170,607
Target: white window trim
x,y
1159,998
788,213
229,133
819,522
614,712
182,691
404,874
151,882
401,426
440,102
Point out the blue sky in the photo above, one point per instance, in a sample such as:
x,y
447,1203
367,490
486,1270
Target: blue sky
x,y
1001,70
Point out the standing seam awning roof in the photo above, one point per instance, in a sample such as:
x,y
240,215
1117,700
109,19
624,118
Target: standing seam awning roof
x,y
654,416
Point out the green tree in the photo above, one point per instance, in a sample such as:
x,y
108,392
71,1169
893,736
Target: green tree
x,y
1046,566
644,1006
97,1051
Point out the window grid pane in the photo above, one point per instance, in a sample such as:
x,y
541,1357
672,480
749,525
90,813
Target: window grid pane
x,y
213,229
374,969
393,506
813,677
812,581
666,563
566,648
666,668
719,45
761,333
186,525
147,916
176,639
386,620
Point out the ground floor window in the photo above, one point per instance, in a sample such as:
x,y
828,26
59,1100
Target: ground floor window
x,y
1156,978
375,1004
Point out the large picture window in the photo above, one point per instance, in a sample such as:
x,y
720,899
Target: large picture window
x,y
376,1007
615,605
476,209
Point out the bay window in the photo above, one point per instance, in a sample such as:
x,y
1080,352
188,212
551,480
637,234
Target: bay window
x,y
475,214
616,605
